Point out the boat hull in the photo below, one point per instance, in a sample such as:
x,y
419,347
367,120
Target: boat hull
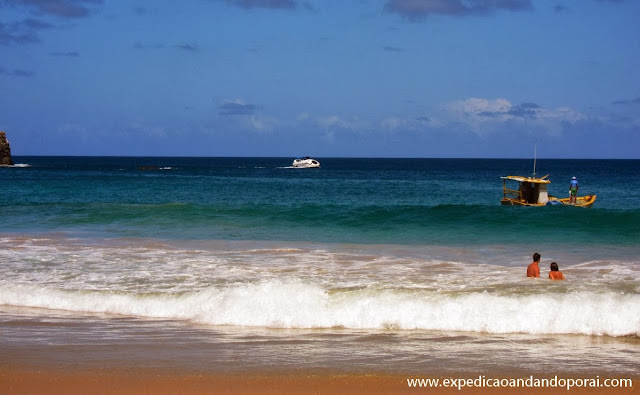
x,y
581,201
306,163
516,202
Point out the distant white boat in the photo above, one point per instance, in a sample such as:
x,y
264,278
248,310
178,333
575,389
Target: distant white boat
x,y
305,162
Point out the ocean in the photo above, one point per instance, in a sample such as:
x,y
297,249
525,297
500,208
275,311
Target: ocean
x,y
406,266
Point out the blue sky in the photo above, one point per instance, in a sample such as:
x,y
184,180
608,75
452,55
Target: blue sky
x,y
361,78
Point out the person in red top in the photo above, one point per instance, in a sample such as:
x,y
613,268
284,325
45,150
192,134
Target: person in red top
x,y
555,274
533,270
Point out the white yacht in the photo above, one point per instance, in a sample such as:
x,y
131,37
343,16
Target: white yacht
x,y
305,162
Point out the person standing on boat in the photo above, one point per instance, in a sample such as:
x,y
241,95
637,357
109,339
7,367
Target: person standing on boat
x,y
533,270
573,190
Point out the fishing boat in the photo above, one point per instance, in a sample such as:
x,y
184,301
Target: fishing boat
x,y
532,191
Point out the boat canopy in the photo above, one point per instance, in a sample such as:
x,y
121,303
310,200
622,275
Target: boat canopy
x,y
533,180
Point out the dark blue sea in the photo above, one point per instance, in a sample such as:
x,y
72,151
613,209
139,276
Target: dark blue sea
x,y
397,201
361,261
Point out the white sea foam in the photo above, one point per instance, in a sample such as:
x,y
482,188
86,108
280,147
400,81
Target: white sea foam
x,y
297,304
17,165
301,285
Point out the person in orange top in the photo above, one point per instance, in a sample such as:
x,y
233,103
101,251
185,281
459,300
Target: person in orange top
x,y
533,270
555,274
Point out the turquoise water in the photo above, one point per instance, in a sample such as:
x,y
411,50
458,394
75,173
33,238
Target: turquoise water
x,y
397,201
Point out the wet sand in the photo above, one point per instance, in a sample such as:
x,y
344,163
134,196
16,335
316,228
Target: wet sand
x,y
160,382
63,353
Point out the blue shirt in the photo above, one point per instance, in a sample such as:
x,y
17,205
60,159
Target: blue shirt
x,y
573,184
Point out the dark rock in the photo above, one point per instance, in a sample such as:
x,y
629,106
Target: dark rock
x,y
5,151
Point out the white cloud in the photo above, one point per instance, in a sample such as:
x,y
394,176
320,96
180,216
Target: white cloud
x,y
562,114
481,116
353,123
476,106
262,123
142,128
395,123
485,116
232,107
73,129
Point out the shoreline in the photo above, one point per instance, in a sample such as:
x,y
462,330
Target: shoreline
x,y
158,381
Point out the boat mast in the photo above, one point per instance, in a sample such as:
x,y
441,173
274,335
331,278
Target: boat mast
x,y
535,151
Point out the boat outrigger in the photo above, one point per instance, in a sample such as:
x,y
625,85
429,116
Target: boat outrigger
x,y
532,191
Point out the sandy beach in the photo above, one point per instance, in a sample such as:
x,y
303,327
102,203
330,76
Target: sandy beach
x,y
161,382
65,353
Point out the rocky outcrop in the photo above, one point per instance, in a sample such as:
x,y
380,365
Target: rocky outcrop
x,y
5,151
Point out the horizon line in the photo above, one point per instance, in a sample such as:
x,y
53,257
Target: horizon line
x,y
323,157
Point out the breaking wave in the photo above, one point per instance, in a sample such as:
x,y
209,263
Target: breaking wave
x,y
296,304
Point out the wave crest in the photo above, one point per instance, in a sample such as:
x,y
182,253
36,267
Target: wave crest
x,y
295,304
